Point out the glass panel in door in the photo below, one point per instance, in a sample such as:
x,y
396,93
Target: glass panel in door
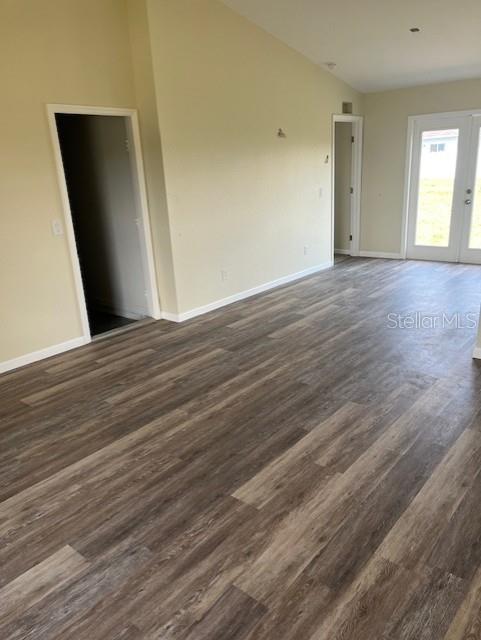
x,y
470,248
437,174
436,202
475,226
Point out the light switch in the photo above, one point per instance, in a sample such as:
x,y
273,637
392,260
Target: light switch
x,y
57,227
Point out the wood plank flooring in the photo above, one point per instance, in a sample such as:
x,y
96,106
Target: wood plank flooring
x,y
290,467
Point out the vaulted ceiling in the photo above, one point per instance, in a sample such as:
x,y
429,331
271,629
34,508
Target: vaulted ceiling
x,y
370,40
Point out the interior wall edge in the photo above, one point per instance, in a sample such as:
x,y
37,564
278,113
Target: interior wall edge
x,y
152,156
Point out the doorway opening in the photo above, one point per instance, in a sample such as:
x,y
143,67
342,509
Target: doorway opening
x,y
107,224
443,188
346,180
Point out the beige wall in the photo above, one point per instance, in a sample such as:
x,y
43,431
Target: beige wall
x,y
61,51
212,90
342,185
385,132
225,193
240,199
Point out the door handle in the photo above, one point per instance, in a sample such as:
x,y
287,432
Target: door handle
x,y
467,201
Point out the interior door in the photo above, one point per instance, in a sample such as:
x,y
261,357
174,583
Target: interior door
x,y
437,191
470,250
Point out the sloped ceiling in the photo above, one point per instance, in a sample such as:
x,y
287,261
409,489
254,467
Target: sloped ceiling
x,y
370,40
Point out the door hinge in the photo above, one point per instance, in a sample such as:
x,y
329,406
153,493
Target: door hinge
x,y
351,190
350,237
352,139
127,144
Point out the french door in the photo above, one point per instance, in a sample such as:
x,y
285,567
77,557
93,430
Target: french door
x,y
444,205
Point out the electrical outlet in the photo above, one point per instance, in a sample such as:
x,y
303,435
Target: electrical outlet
x,y
320,192
306,249
57,227
223,274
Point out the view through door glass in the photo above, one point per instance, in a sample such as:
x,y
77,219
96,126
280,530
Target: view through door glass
x,y
475,231
439,150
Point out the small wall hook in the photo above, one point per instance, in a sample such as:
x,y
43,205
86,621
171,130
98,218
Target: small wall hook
x,y
281,133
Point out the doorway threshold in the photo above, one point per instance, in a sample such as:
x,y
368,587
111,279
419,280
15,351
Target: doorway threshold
x,y
124,329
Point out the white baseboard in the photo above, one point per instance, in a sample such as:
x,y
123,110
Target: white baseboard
x,y
380,254
34,356
236,297
477,353
171,317
342,252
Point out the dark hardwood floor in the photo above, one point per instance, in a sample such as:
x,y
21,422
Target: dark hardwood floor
x,y
291,467
102,321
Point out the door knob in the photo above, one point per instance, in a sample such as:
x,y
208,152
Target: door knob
x,y
468,201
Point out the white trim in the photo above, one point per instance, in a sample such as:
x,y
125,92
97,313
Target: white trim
x,y
356,177
423,120
345,117
72,245
477,353
236,297
381,254
467,254
171,317
342,252
407,186
138,170
445,114
449,253
34,356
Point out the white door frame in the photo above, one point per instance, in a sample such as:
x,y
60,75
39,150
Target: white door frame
x,y
145,234
449,253
468,255
409,164
356,176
